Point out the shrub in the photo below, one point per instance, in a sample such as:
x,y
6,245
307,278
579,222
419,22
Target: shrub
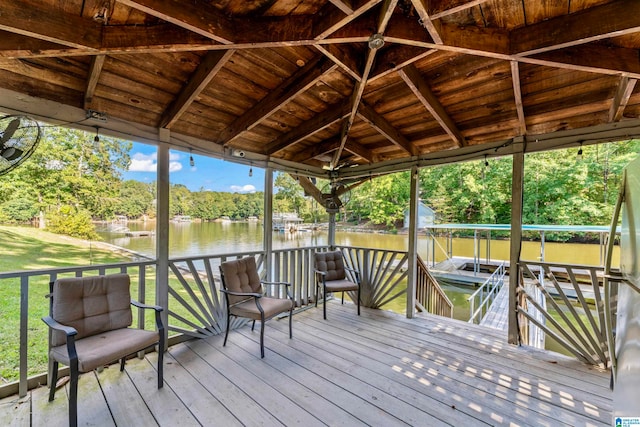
x,y
72,222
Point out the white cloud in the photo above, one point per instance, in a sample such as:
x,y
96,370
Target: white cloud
x,y
243,188
149,162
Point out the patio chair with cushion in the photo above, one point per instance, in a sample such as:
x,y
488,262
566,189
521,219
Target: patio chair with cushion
x,y
90,319
331,276
245,297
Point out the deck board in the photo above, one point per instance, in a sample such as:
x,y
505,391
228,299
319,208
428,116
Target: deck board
x,y
379,368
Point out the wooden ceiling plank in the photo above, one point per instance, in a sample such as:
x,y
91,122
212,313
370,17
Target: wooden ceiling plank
x,y
421,89
621,98
456,7
321,121
299,82
385,128
422,9
208,68
94,75
360,150
45,23
319,149
596,23
396,57
597,58
196,17
517,93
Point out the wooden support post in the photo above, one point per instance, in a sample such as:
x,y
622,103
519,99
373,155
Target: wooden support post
x,y
517,183
268,222
162,230
413,242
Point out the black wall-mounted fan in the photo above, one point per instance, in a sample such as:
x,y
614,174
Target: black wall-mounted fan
x,y
19,136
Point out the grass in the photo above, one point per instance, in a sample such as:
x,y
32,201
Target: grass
x,y
25,248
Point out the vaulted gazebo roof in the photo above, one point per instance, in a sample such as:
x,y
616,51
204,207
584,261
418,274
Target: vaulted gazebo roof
x,y
325,84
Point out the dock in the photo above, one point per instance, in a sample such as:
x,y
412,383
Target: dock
x,y
139,233
497,315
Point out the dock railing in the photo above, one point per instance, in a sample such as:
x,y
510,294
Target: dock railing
x,y
480,301
429,295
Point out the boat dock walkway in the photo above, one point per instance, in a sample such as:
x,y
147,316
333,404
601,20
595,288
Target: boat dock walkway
x,y
497,315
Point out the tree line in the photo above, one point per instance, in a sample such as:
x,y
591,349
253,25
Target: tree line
x,y
72,180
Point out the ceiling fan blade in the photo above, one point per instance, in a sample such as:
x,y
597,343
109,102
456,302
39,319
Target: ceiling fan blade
x,y
10,130
11,153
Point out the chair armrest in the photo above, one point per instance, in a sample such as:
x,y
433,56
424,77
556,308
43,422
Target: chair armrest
x,y
53,324
146,306
276,283
242,294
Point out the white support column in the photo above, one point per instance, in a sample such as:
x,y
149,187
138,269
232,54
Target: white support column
x,y
267,221
413,243
162,229
517,183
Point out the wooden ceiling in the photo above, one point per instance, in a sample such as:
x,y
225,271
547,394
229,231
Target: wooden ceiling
x,y
344,85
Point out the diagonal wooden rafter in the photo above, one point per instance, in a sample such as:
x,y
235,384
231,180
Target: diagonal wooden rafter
x,y
308,128
343,57
383,20
422,9
299,82
396,57
621,98
517,93
420,88
334,20
596,23
385,128
455,6
360,150
210,65
95,68
346,6
38,21
205,21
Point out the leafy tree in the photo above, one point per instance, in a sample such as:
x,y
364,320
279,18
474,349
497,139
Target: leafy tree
x,y
18,210
135,199
73,222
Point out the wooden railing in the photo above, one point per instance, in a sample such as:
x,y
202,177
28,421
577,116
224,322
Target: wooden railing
x,y
429,295
565,303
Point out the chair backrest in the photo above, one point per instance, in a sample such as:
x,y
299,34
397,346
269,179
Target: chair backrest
x,y
240,275
332,263
91,304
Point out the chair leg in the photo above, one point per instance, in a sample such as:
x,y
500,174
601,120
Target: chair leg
x,y
226,334
161,364
261,338
253,325
317,289
324,303
73,395
290,322
122,364
53,379
358,300
342,300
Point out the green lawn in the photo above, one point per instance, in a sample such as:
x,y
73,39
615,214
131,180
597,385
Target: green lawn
x,y
25,248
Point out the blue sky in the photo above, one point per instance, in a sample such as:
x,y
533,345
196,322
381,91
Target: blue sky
x,y
208,173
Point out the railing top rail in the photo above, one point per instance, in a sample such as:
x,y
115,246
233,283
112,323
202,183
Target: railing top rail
x,y
73,269
500,271
559,265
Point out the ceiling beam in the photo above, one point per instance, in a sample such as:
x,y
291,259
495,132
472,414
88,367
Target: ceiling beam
x,y
621,98
321,121
329,23
595,23
343,56
321,148
210,65
360,150
396,57
421,90
517,94
386,12
386,129
346,6
45,23
95,68
297,83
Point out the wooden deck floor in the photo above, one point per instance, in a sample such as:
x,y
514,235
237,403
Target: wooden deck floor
x,y
378,369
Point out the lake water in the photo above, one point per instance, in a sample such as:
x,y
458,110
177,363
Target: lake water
x,y
206,238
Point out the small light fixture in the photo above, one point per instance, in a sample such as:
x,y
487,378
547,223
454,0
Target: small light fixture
x,y
250,171
192,163
96,138
376,41
579,156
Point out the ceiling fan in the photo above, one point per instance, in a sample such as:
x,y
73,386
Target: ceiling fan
x,y
19,137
